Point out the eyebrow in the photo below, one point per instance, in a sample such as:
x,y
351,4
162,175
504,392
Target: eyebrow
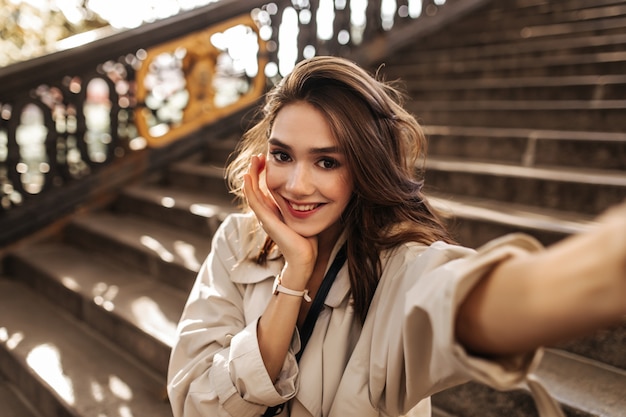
x,y
327,150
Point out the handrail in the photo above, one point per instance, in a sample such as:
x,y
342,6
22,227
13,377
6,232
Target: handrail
x,y
77,124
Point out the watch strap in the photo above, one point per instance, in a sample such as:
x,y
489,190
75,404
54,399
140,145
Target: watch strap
x,y
305,294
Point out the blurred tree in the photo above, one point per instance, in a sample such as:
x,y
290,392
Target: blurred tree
x,y
32,28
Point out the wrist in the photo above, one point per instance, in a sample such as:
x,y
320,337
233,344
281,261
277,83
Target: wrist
x,y
295,276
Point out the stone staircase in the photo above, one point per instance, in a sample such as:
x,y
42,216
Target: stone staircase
x,y
523,102
88,317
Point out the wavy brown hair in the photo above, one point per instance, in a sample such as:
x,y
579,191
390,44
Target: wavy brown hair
x,y
383,145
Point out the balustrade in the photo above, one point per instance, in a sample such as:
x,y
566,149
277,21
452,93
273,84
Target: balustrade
x,y
66,115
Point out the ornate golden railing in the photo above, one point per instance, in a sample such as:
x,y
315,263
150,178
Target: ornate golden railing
x,y
202,90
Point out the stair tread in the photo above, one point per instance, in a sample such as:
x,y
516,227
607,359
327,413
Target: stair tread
x,y
171,244
584,384
437,412
12,403
516,215
539,134
584,388
145,303
202,169
84,371
518,82
508,63
480,105
579,26
200,204
573,175
495,48
202,176
550,31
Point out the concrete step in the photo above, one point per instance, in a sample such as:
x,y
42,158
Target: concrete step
x,y
606,346
500,21
583,384
165,252
549,63
535,114
606,35
191,211
200,176
66,369
475,221
587,192
13,402
219,152
438,412
500,51
585,87
606,64
508,38
530,147
584,388
499,48
129,308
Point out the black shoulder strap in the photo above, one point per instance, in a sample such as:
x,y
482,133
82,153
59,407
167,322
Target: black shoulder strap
x,y
314,311
320,297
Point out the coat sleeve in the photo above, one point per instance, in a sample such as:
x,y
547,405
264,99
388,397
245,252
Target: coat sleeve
x,y
420,354
215,366
454,280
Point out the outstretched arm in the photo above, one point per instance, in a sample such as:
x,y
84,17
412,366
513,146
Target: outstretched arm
x,y
570,289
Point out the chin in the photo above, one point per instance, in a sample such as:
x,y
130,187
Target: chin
x,y
305,231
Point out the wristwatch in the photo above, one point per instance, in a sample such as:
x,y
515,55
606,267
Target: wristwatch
x,y
279,288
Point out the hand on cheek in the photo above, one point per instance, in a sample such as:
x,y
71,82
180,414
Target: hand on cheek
x,y
255,190
296,249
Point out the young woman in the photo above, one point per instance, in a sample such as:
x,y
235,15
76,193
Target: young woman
x,y
330,171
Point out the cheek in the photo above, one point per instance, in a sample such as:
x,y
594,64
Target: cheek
x,y
340,192
346,188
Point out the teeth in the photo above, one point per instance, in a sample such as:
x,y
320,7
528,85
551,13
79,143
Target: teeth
x,y
303,207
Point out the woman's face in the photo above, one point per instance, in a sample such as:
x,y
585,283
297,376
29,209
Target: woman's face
x,y
306,173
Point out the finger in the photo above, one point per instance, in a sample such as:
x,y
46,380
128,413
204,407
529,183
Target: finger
x,y
261,204
253,174
252,185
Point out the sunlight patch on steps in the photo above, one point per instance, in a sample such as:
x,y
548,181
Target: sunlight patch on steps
x,y
151,319
45,360
154,245
11,341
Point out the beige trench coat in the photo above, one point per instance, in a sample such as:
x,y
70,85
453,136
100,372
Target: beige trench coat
x,y
405,351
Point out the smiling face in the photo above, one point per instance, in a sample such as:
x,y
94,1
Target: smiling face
x,y
306,173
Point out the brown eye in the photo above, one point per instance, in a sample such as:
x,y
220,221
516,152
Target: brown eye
x,y
328,163
280,156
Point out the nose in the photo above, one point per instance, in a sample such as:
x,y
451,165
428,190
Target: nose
x,y
300,181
